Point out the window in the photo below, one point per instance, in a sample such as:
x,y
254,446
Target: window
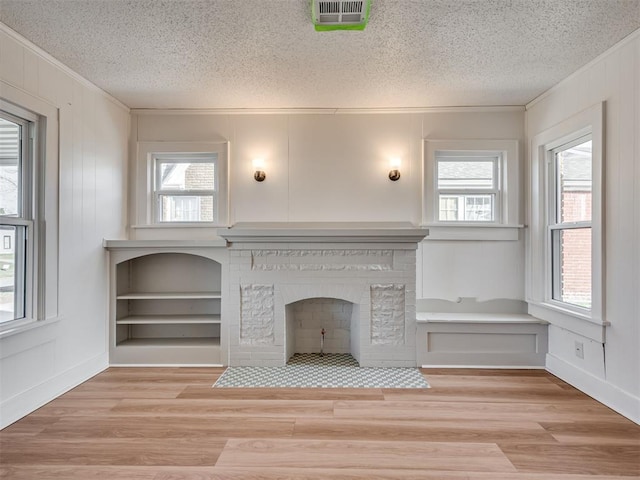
x,y
569,225
16,213
565,254
181,185
467,186
185,187
471,189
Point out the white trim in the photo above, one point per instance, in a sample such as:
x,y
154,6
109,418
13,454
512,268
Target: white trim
x,y
590,120
508,212
160,365
24,325
47,151
144,183
327,111
485,367
177,225
583,326
628,39
24,403
465,231
58,64
604,392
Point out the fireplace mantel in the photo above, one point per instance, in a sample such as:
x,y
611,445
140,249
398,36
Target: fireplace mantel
x,y
371,266
318,232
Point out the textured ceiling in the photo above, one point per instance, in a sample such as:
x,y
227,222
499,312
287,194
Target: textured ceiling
x,y
266,54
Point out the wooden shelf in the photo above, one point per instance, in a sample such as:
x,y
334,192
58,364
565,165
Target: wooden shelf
x,y
171,342
169,295
168,319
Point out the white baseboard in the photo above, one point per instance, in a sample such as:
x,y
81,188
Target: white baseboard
x,y
490,367
622,402
18,406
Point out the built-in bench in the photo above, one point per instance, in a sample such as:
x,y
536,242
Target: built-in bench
x,y
479,334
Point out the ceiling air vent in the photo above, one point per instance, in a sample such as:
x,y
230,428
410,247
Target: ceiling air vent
x,y
340,14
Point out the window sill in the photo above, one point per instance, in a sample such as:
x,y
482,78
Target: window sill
x,y
570,320
24,326
473,231
179,225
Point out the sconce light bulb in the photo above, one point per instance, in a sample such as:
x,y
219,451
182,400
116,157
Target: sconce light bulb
x,y
258,166
394,173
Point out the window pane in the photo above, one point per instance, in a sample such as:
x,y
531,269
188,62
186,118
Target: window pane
x,y
12,279
572,266
9,168
574,189
457,174
186,176
466,208
478,208
183,208
448,208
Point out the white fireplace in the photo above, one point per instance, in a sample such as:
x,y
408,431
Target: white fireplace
x,y
360,278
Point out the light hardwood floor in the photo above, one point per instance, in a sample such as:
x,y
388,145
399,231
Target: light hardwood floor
x,y
169,424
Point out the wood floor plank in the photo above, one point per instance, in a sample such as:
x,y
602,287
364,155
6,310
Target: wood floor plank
x,y
64,407
96,390
111,451
117,426
577,459
103,472
475,431
260,473
480,393
499,382
221,408
55,472
364,454
283,393
204,376
425,410
594,432
31,425
487,372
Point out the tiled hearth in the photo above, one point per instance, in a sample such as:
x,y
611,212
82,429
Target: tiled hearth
x,y
369,267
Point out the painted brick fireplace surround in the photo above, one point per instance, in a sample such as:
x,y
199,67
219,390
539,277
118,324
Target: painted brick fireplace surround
x,y
368,269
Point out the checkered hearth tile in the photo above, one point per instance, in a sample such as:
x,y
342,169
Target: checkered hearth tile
x,y
328,371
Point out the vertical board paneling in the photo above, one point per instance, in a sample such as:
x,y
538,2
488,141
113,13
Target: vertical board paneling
x,y
76,289
11,61
613,79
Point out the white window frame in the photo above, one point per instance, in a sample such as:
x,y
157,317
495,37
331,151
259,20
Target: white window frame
x,y
158,192
586,322
25,245
505,225
145,208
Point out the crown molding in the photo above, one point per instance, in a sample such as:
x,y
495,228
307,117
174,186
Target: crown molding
x,y
59,65
325,111
628,39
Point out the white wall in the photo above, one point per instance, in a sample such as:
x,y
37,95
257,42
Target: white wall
x,y
334,167
87,184
609,372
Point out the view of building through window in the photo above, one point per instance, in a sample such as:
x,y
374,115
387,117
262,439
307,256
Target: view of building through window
x,y
467,189
10,206
185,190
571,227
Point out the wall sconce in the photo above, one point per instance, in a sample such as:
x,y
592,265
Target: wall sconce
x,y
394,173
258,167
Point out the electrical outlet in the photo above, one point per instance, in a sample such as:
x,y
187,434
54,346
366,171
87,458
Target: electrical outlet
x,y
579,349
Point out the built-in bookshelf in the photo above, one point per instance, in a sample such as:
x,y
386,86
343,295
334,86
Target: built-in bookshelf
x,y
166,305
